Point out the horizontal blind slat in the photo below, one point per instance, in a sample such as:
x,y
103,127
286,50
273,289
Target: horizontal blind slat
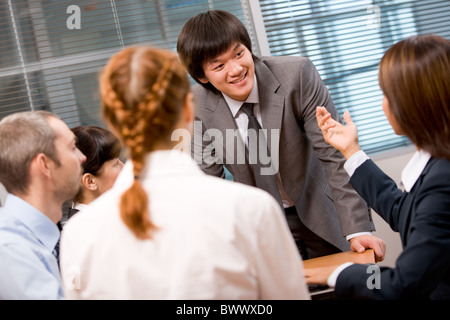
x,y
337,38
59,68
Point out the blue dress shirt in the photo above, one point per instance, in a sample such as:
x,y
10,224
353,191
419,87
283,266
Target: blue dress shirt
x,y
28,268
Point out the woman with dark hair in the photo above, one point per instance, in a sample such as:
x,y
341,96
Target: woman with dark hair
x,y
166,230
102,165
414,77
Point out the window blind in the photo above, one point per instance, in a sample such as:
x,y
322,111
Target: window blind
x,y
51,51
346,40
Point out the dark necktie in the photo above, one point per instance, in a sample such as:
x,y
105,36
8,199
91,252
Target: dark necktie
x,y
263,181
56,251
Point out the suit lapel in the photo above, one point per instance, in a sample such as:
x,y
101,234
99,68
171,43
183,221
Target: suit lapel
x,y
271,103
408,203
218,116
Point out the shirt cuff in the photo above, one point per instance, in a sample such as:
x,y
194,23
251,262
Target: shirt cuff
x,y
353,235
355,161
334,275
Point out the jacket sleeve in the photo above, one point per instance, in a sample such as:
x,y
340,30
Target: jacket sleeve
x,y
353,211
423,266
380,187
203,151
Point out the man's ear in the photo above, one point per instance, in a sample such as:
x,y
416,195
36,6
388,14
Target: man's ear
x,y
41,163
88,181
203,80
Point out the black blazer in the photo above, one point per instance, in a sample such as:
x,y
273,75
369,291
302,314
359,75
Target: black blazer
x,y
422,217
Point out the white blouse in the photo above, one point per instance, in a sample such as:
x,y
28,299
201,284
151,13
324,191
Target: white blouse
x,y
216,239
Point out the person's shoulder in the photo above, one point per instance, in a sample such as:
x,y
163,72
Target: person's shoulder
x,y
199,91
204,98
287,69
240,194
11,228
437,173
273,61
17,246
440,163
5,218
89,218
437,169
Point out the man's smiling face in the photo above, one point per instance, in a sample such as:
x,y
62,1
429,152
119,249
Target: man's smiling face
x,y
232,72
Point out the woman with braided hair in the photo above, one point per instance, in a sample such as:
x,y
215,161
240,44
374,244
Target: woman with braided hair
x,y
166,230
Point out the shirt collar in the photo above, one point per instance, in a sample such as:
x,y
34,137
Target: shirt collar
x,y
414,169
78,206
235,105
34,220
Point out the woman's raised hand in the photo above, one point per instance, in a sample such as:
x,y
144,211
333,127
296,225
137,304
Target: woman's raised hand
x,y
342,137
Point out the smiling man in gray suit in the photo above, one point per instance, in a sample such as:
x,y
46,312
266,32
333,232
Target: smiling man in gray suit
x,y
324,213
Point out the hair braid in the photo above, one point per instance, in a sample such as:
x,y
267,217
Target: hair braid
x,y
142,91
147,115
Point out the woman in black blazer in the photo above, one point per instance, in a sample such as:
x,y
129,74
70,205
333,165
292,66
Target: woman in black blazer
x,y
414,77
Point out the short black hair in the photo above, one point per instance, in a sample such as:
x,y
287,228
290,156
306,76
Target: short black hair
x,y
206,36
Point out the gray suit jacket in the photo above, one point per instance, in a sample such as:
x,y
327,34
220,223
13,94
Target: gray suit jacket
x,y
311,171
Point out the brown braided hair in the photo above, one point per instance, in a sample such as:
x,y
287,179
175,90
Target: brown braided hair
x,y
143,90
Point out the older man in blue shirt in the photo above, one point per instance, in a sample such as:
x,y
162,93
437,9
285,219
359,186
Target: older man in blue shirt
x,y
41,169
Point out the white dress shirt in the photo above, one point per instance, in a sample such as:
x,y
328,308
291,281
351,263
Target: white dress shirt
x,y
216,239
239,116
409,176
79,206
241,120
